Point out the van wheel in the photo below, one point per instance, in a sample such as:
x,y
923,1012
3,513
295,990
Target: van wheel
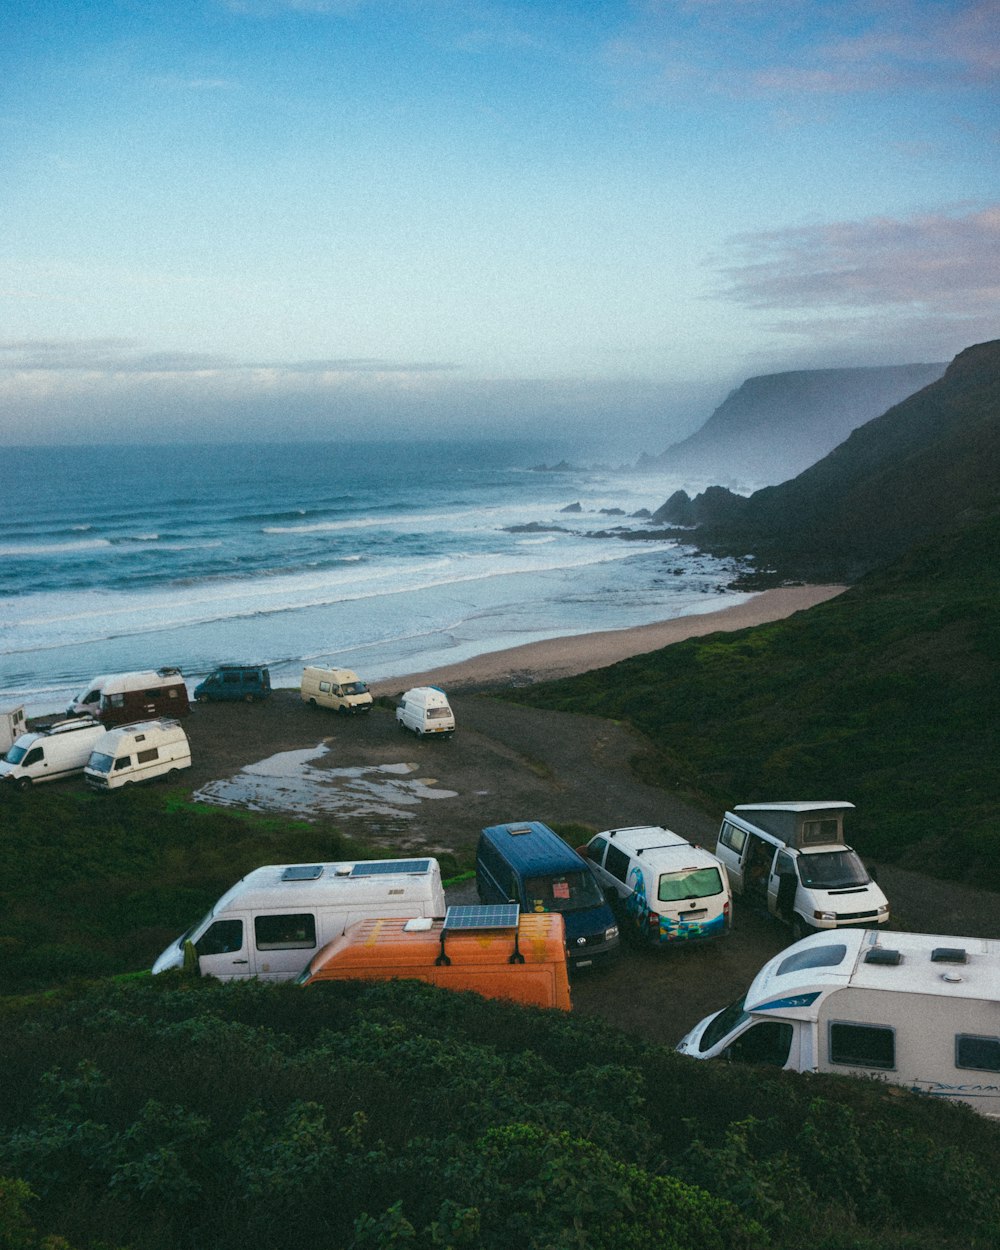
x,y
23,783
312,702
248,698
202,698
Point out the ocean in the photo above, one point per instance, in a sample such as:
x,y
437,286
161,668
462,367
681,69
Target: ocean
x,y
388,558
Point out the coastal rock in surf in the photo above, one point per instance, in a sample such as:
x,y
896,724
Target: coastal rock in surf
x,y
572,507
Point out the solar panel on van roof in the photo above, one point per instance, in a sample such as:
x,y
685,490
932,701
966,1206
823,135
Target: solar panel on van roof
x,y
489,916
387,867
302,872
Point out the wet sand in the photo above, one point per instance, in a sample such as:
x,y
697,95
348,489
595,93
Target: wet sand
x,y
565,657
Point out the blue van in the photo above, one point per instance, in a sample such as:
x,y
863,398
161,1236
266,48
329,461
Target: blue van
x,y
234,682
529,864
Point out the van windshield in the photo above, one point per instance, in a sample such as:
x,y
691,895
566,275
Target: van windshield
x,y
570,891
101,763
695,883
727,1020
16,754
832,870
354,687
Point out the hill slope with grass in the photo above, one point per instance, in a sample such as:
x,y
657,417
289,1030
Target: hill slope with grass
x,y
174,1114
888,695
924,466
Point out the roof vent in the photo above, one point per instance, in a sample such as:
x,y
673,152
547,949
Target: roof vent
x,y
881,955
948,955
516,831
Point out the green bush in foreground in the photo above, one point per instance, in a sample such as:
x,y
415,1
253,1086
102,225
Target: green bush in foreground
x,y
173,1113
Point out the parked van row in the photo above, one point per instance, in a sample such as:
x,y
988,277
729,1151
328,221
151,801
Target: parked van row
x,y
108,758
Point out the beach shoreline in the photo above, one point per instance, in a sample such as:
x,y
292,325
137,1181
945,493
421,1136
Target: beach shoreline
x,y
554,658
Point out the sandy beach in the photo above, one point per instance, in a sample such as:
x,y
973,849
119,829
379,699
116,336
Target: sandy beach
x,y
565,657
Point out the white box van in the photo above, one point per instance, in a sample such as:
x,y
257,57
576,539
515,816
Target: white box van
x,y
59,751
663,889
339,688
140,752
273,920
426,710
792,859
920,1011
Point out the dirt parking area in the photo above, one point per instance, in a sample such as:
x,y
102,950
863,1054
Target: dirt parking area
x,y
369,779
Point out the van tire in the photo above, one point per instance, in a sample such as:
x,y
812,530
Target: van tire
x,y
202,698
312,703
248,698
23,783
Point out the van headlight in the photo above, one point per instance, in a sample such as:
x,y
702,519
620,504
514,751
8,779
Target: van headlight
x,y
611,934
824,915
883,910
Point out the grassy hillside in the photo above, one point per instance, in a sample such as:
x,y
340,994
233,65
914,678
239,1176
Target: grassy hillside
x,y
178,1115
888,696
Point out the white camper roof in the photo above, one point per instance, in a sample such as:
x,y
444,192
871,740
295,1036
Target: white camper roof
x,y
813,805
795,981
325,885
659,847
118,683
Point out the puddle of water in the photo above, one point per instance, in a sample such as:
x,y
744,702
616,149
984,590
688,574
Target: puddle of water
x,y
289,782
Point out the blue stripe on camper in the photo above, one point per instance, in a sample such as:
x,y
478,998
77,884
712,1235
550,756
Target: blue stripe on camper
x,y
793,1000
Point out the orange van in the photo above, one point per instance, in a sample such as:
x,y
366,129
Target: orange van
x,y
524,962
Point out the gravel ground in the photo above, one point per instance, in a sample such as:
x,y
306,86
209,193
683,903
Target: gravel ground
x,y
367,778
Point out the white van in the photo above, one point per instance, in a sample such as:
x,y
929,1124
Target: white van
x,y
426,710
59,751
792,859
921,1011
339,688
140,752
273,920
88,701
663,888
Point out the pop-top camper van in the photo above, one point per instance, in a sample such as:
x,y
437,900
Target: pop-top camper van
x,y
792,859
914,1009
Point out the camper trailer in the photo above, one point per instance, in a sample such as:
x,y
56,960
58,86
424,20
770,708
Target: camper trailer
x,y
493,951
273,920
663,889
12,725
136,753
791,859
337,688
914,1009
60,751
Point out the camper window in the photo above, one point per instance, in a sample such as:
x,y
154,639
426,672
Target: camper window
x,y
828,956
146,757
124,762
221,938
768,1042
734,838
815,832
862,1045
289,932
981,1053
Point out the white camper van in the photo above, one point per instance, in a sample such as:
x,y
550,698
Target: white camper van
x,y
12,725
88,701
339,688
792,859
426,710
59,751
915,1009
272,921
662,888
140,752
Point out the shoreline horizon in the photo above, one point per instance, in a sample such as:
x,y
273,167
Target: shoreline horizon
x,y
569,655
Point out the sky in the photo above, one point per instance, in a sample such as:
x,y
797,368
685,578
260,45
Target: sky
x,y
585,219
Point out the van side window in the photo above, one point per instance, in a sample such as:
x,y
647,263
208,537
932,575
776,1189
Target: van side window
x,y
221,938
324,687
816,832
231,679
34,756
595,851
117,700
767,1042
981,1053
291,932
617,863
862,1045
146,757
732,837
124,762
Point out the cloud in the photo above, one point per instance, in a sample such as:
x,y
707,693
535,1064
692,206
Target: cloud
x,y
945,263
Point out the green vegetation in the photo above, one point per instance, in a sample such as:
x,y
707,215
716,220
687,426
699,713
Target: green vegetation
x,y
97,884
888,696
175,1113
